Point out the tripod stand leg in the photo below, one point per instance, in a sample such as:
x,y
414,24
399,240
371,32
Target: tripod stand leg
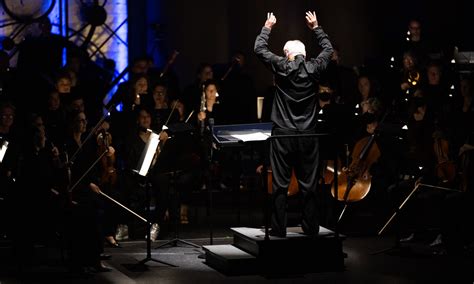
x,y
148,250
145,260
174,242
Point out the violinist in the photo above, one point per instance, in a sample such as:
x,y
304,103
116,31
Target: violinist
x,y
109,181
85,225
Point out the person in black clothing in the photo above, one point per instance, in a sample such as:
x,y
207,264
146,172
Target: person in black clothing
x,y
294,112
210,113
192,93
84,211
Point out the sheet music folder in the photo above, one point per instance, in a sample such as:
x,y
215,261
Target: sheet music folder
x,y
238,134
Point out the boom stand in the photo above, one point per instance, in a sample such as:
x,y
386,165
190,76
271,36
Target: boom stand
x,y
175,200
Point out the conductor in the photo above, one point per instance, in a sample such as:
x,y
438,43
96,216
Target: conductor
x,y
294,113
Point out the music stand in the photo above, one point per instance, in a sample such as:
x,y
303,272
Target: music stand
x,y
167,165
145,164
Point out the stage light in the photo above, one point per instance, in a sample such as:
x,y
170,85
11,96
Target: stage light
x,y
405,127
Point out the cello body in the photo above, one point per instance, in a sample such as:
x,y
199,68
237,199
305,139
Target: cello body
x,y
354,181
292,187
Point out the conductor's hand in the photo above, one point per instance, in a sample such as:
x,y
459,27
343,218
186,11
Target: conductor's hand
x,y
311,20
271,20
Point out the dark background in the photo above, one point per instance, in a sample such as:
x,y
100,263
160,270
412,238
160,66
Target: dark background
x,y
364,30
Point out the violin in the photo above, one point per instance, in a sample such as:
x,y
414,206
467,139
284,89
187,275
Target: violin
x,y
354,181
107,163
292,188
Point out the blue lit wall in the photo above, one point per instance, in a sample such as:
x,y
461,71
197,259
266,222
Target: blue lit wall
x,y
113,47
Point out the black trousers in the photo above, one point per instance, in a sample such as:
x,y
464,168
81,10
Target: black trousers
x,y
302,155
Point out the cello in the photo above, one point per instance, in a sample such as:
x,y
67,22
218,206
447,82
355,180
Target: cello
x,y
354,182
292,187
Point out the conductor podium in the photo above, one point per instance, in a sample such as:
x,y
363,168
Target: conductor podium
x,y
253,251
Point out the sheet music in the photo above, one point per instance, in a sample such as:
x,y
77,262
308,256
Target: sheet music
x,y
256,136
238,134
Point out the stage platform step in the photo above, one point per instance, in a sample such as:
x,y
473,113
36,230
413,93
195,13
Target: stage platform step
x,y
230,260
297,253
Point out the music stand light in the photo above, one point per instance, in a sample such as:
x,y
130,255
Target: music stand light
x,y
3,149
148,154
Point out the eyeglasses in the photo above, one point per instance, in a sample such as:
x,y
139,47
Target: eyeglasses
x,y
7,116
